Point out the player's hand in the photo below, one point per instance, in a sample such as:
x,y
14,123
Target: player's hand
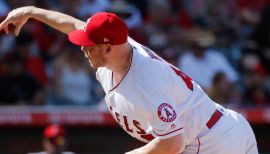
x,y
17,17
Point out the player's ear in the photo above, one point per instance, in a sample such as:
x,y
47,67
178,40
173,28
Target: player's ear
x,y
108,48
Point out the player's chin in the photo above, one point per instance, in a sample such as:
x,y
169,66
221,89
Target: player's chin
x,y
93,66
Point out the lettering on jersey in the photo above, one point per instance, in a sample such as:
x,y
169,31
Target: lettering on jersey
x,y
111,109
126,124
166,112
137,125
148,137
117,117
186,79
133,127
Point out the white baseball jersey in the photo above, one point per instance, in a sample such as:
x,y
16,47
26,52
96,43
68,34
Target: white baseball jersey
x,y
155,99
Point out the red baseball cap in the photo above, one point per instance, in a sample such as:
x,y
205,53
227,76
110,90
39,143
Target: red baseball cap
x,y
53,131
102,27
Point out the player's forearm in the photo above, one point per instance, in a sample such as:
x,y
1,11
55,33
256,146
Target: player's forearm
x,y
158,147
59,21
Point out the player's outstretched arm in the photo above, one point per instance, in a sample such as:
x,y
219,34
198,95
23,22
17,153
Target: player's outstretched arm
x,y
171,145
59,21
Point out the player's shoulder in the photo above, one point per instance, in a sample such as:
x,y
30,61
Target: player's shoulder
x,y
150,72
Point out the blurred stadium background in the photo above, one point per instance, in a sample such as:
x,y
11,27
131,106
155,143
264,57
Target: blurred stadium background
x,y
224,45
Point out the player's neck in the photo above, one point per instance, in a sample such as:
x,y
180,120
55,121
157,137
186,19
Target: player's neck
x,y
121,60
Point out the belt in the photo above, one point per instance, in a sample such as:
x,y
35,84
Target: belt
x,y
214,119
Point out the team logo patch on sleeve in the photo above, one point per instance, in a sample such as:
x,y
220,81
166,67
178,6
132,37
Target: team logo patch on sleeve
x,y
166,112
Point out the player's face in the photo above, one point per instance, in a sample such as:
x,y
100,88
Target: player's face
x,y
95,55
48,147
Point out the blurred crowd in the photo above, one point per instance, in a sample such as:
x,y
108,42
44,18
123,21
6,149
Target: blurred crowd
x,y
224,45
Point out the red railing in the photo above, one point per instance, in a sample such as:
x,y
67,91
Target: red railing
x,y
81,116
66,115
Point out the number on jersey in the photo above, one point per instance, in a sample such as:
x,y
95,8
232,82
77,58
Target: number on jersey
x,y
185,78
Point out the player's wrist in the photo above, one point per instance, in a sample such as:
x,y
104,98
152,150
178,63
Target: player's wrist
x,y
29,11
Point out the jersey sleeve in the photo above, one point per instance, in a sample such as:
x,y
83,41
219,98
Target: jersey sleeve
x,y
166,119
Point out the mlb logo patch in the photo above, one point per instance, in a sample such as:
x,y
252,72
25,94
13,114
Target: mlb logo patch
x,y
166,112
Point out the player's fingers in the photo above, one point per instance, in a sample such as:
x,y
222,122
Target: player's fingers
x,y
5,27
19,27
6,30
4,24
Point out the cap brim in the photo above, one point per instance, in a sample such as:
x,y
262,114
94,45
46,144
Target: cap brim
x,y
79,37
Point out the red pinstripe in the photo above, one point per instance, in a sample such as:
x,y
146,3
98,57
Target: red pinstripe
x,y
168,133
199,146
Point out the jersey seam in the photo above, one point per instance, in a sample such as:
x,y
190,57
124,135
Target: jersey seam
x,y
129,67
169,132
